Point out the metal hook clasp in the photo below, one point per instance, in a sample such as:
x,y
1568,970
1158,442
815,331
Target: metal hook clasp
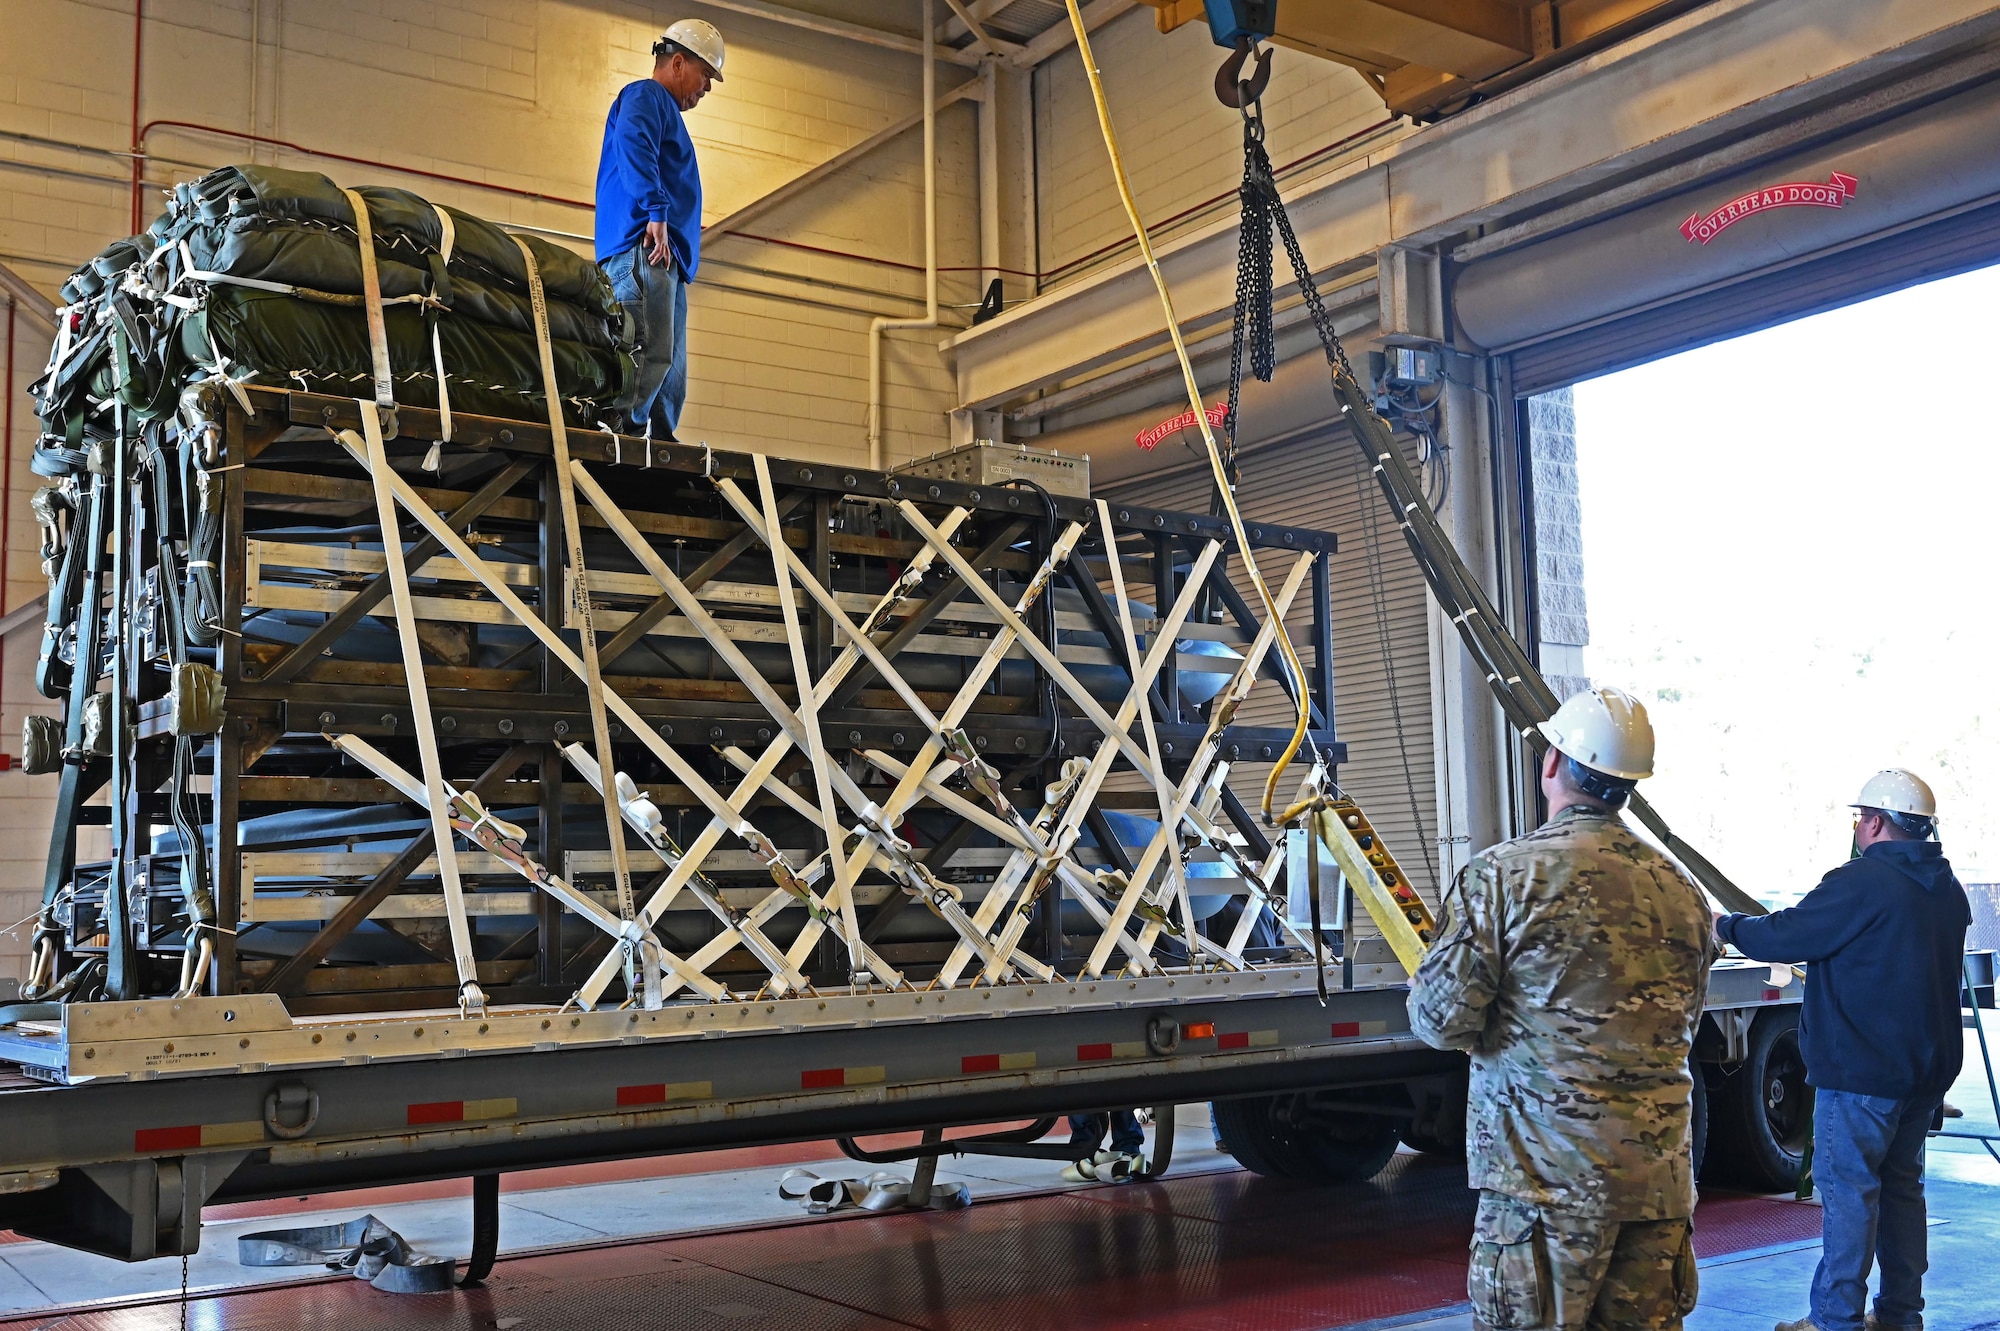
x,y
1231,88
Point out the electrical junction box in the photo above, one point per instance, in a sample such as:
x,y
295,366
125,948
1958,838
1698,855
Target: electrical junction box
x,y
984,462
1401,368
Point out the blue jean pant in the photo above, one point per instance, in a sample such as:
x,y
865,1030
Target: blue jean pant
x,y
1086,1132
1868,1164
657,298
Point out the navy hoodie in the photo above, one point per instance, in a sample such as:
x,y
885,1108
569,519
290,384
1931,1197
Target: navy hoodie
x,y
1883,940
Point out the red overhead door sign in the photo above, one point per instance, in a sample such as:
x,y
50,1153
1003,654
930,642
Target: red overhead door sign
x,y
1834,192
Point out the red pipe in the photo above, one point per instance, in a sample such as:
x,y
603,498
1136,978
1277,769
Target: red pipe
x,y
139,138
7,489
151,125
138,135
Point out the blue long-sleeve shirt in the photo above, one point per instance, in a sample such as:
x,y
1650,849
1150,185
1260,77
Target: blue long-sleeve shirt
x,y
1883,939
646,172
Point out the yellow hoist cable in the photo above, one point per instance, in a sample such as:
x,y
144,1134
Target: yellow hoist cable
x,y
1222,487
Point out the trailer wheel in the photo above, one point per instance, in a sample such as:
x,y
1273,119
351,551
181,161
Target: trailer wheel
x,y
1439,1128
1243,1129
1283,1136
1760,1114
1698,1114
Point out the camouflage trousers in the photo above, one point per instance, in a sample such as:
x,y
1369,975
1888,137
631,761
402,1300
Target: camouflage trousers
x,y
1537,1269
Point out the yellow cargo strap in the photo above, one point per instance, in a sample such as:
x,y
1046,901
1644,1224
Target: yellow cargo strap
x,y
371,294
579,592
437,350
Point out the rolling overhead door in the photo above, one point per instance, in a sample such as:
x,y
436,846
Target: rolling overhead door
x,y
1381,637
1956,244
1908,198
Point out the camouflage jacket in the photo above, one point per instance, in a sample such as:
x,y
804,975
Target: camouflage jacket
x,y
1572,964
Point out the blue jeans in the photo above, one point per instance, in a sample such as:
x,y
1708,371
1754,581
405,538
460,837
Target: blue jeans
x,y
1086,1132
658,300
1868,1164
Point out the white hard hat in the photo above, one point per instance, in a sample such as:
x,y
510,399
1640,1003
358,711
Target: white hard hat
x,y
1897,791
700,38
1607,731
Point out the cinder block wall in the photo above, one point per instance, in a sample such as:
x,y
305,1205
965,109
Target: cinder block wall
x,y
510,93
1564,613
1181,146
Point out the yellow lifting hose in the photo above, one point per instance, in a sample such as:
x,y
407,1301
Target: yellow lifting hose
x,y
1222,487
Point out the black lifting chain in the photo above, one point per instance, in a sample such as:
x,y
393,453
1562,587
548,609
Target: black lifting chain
x,y
1262,210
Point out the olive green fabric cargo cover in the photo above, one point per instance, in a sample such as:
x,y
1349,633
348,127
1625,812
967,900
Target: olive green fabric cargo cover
x,y
253,275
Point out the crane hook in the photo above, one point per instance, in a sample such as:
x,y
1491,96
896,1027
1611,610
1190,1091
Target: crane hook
x,y
1235,91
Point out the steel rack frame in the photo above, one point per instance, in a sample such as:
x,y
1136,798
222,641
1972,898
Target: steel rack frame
x,y
313,722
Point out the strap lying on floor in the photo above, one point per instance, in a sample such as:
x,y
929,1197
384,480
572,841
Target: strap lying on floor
x,y
880,1191
367,1247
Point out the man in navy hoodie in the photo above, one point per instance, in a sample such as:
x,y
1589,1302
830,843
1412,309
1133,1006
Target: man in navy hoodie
x,y
1883,940
649,215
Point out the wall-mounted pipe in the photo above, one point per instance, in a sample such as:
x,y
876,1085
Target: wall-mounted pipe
x,y
930,319
989,175
138,152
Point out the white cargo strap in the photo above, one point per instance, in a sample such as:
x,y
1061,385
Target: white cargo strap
x,y
727,815
371,296
470,995
470,817
1175,886
808,715
437,350
614,819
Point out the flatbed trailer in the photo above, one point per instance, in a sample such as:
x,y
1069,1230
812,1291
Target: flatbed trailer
x,y
129,1110
125,1119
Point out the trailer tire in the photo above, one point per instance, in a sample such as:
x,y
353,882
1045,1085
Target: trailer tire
x,y
1698,1114
1760,1114
1243,1129
1444,1134
1280,1136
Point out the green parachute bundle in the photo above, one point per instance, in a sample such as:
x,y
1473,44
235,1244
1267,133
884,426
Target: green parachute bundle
x,y
253,275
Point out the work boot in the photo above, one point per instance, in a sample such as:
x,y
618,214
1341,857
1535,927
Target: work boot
x,y
1803,1324
1874,1325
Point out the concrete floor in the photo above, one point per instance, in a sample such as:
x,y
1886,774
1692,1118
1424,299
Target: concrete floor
x,y
559,1210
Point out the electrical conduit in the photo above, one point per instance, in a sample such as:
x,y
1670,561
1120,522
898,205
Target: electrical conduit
x,y
1222,486
877,325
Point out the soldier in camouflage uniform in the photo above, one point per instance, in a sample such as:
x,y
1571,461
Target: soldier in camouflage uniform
x,y
1572,964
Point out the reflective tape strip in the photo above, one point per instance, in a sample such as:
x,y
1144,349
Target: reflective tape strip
x,y
1246,1039
821,1078
1098,1053
660,1092
1346,1029
462,1111
995,1062
194,1136
1772,995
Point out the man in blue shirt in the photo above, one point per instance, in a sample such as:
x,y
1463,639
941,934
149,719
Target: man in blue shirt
x,y
1883,938
649,215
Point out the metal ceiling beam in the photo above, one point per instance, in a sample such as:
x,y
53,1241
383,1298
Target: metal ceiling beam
x,y
26,296
952,29
833,27
984,39
1061,37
